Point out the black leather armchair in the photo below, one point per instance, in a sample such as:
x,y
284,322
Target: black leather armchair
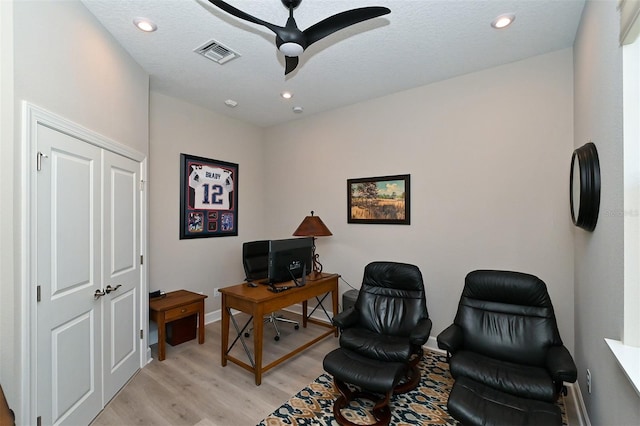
x,y
505,338
389,320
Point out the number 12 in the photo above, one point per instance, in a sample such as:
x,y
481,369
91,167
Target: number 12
x,y
216,194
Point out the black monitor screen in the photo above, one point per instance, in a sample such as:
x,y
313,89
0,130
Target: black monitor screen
x,y
289,259
255,259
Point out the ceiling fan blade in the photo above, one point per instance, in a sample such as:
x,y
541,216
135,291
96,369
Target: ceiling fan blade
x,y
291,62
341,20
243,15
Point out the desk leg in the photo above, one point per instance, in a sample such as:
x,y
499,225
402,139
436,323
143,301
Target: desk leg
x,y
334,299
161,336
304,314
225,330
258,328
201,323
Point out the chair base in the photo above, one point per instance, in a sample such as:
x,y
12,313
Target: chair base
x,y
412,378
371,376
381,410
273,319
473,403
410,382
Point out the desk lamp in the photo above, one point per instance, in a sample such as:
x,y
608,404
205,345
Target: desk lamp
x,y
312,226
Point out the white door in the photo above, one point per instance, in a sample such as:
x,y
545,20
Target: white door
x,y
121,271
69,341
88,273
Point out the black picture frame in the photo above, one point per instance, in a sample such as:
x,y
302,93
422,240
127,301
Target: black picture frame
x,y
379,200
584,187
208,197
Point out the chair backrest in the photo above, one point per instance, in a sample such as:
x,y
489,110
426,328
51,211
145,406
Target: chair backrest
x,y
255,259
392,298
508,316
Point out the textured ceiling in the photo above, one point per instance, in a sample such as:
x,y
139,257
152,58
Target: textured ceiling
x,y
419,42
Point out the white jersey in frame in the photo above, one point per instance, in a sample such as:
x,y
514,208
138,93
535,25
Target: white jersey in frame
x,y
212,187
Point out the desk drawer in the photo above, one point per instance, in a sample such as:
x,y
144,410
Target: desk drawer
x,y
181,311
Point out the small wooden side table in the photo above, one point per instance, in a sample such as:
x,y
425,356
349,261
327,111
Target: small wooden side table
x,y
173,306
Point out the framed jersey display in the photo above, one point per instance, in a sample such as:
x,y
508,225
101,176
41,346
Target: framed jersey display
x,y
208,197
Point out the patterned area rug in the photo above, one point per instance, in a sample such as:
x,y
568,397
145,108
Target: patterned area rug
x,y
425,405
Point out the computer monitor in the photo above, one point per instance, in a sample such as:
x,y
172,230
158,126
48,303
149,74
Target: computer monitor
x,y
274,261
290,259
255,260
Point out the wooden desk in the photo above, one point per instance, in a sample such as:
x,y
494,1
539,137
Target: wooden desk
x,y
259,301
7,417
173,306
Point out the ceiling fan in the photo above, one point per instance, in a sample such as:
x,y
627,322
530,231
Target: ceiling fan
x,y
291,41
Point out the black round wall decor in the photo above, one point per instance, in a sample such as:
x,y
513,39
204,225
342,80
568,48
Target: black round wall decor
x,y
584,186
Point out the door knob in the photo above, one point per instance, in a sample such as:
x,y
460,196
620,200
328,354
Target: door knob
x,y
98,294
109,289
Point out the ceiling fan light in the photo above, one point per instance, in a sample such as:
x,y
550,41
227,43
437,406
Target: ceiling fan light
x,y
291,49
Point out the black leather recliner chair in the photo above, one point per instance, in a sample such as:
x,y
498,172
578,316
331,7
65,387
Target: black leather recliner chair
x,y
389,320
381,338
504,343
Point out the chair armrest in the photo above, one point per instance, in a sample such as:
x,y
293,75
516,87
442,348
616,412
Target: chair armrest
x,y
420,334
346,318
560,364
451,338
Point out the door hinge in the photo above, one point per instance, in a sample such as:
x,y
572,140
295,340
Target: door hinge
x,y
39,157
38,293
141,259
141,185
141,334
39,421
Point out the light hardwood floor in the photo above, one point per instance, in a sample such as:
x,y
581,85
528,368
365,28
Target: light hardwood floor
x,y
190,387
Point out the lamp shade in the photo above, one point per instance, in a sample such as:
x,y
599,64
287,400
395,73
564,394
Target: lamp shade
x,y
312,226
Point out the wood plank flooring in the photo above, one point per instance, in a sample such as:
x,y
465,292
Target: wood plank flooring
x,y
190,387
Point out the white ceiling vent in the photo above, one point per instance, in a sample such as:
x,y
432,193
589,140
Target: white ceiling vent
x,y
216,52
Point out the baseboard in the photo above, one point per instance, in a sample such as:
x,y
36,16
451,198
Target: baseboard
x,y
432,345
213,316
579,407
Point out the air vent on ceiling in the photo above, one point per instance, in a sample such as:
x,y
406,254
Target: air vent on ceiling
x,y
216,52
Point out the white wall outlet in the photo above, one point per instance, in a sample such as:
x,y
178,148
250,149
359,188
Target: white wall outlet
x,y
216,293
589,381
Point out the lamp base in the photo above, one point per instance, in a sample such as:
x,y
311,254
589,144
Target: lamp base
x,y
316,274
313,276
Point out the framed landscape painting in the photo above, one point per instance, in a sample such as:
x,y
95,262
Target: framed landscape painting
x,y
208,197
382,199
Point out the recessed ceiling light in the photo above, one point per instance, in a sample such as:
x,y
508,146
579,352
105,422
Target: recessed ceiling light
x,y
286,95
503,21
145,25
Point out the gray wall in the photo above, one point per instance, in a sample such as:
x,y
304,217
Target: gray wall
x,y
487,152
599,256
488,155
205,263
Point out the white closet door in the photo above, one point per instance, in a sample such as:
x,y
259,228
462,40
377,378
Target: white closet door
x,y
121,271
69,351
